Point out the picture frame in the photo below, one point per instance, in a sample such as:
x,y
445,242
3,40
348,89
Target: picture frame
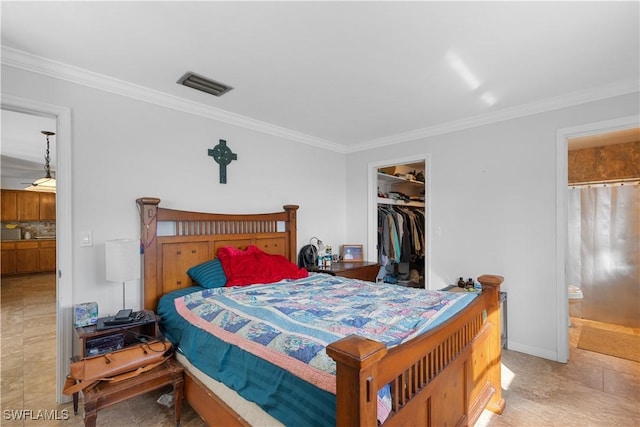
x,y
352,253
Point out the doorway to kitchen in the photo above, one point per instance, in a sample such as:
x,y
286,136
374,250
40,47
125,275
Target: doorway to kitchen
x,y
64,248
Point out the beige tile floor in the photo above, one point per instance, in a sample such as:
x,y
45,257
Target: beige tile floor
x,y
591,390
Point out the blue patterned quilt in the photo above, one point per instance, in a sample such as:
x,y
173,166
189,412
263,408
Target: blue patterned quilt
x,y
290,323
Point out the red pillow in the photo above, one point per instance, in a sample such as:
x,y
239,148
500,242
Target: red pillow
x,y
255,266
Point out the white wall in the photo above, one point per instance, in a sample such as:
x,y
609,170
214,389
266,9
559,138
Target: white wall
x,y
123,149
493,190
493,195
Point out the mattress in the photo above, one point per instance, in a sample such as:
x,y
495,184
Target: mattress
x,y
250,411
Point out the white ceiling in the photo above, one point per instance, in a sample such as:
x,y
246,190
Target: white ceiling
x,y
346,75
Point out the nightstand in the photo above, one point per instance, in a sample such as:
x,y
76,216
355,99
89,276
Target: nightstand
x,y
354,270
94,342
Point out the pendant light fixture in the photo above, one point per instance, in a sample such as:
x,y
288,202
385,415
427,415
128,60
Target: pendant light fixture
x,y
46,184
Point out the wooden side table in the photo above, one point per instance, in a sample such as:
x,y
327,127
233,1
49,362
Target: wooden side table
x,y
94,342
354,270
106,394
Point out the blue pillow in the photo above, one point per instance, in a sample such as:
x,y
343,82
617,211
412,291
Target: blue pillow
x,y
208,274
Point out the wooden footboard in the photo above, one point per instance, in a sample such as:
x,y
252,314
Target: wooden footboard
x,y
445,377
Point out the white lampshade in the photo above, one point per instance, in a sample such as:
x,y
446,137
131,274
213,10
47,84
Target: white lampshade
x,y
122,260
43,185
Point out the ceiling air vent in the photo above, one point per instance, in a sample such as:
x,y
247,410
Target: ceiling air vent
x,y
204,84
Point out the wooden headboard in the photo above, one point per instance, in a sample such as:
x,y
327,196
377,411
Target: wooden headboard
x,y
190,238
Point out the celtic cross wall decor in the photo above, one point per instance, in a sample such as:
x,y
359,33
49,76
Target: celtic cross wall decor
x,y
223,156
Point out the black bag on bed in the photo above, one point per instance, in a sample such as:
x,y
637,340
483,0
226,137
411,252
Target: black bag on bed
x,y
308,257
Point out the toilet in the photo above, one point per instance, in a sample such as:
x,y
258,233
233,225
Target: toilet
x,y
575,294
575,297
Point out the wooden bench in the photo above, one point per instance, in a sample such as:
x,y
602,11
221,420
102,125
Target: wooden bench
x,y
106,394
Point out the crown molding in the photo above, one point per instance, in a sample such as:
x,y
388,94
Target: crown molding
x,y
25,61
549,104
37,64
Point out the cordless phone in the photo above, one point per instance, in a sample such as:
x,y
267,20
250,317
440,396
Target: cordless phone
x,y
124,315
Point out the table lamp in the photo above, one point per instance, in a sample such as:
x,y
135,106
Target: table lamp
x,y
122,261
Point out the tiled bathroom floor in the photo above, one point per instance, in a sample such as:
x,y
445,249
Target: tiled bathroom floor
x,y
592,389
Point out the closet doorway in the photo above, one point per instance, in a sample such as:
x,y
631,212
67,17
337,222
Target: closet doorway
x,y
398,239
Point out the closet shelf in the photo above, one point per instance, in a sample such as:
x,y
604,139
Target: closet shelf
x,y
392,179
385,201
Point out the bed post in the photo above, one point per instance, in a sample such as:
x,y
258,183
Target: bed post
x,y
293,232
148,207
356,384
491,284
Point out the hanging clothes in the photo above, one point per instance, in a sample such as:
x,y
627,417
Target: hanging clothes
x,y
401,234
388,235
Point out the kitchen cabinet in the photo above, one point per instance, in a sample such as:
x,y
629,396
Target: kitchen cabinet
x,y
18,205
8,259
28,206
47,255
20,257
47,206
9,205
27,255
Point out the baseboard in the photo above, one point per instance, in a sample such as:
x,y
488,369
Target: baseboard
x,y
533,351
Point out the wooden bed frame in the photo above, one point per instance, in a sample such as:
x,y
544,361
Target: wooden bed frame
x,y
445,377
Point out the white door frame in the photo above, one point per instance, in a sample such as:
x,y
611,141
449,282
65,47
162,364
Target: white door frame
x,y
562,181
64,231
372,201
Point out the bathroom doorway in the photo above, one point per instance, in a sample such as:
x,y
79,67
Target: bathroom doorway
x,y
562,181
603,217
